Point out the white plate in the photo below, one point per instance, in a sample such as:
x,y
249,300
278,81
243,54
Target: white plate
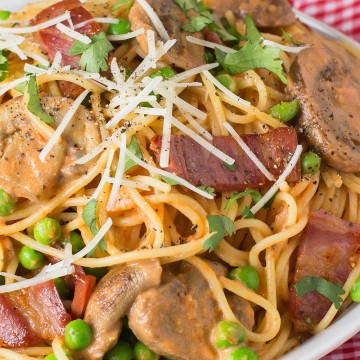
x,y
348,324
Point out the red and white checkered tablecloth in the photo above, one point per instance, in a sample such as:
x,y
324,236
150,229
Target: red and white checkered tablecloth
x,y
345,16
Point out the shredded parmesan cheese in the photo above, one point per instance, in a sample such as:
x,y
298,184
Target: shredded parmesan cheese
x,y
151,48
201,130
248,152
154,19
73,34
64,122
42,61
166,136
192,72
167,174
127,36
209,44
101,20
8,86
279,181
289,49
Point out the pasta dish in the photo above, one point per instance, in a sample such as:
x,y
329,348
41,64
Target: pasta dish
x,y
178,180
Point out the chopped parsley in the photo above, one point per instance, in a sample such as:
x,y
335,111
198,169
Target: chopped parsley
x,y
247,213
220,225
232,167
34,103
4,65
254,194
252,55
89,217
121,3
208,189
322,286
94,56
134,148
290,40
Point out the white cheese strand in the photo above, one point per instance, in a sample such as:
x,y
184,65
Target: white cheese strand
x,y
201,130
8,86
35,28
230,94
289,49
160,28
100,20
209,44
192,72
272,191
166,135
127,36
64,122
249,152
171,176
73,34
36,57
151,48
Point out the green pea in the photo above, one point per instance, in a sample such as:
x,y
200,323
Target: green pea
x,y
50,357
4,15
78,334
97,272
121,351
76,242
31,259
310,163
209,56
355,291
243,353
7,203
62,288
285,111
228,333
246,275
47,231
165,72
229,82
142,352
122,27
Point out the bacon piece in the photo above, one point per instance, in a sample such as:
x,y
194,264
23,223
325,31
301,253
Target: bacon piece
x,y
329,248
31,314
212,36
195,164
53,40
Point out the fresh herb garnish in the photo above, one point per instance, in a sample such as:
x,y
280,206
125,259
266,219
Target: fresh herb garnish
x,y
122,3
290,40
169,180
89,216
208,189
254,194
252,55
322,286
220,225
247,213
134,148
94,56
34,103
232,167
4,65
197,23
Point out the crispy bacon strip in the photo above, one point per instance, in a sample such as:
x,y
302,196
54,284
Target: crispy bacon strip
x,y
32,314
195,164
329,248
53,40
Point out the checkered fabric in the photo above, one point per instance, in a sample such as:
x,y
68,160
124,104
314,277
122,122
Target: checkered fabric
x,y
341,14
345,16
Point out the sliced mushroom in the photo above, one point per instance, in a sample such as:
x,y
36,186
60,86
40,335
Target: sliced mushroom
x,y
325,80
22,173
183,54
112,299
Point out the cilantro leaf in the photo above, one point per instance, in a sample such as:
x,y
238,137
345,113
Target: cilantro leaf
x,y
232,167
197,23
4,66
208,189
134,148
220,225
290,40
322,286
94,55
252,56
247,214
254,194
252,33
121,3
186,4
169,180
221,32
34,103
89,217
